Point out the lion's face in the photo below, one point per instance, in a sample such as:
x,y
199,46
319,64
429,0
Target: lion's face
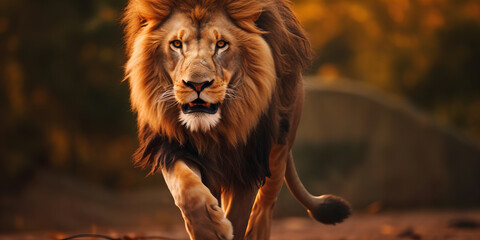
x,y
200,58
197,70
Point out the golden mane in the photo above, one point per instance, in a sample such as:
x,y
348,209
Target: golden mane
x,y
273,19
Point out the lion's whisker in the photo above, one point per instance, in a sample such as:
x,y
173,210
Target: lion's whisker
x,y
167,95
231,94
231,90
167,98
171,104
236,85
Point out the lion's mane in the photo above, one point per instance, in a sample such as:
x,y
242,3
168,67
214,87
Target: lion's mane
x,y
235,153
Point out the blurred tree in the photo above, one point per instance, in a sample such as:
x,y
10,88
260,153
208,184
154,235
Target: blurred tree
x,y
425,50
62,105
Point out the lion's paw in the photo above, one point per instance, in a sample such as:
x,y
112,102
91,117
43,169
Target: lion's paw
x,y
207,221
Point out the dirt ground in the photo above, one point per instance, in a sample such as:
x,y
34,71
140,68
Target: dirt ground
x,y
416,225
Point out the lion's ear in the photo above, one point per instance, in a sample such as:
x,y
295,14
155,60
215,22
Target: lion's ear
x,y
256,16
246,13
139,13
148,10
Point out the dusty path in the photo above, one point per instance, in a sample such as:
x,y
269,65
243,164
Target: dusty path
x,y
461,225
410,225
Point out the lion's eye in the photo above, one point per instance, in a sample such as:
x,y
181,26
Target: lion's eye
x,y
221,44
176,44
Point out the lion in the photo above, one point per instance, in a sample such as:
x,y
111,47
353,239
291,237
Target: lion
x,y
217,89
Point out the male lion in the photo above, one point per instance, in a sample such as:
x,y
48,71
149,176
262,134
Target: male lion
x,y
217,88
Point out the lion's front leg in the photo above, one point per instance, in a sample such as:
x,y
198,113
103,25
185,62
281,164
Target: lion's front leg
x,y
259,223
204,219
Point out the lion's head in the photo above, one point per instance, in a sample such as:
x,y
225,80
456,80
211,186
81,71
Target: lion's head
x,y
203,68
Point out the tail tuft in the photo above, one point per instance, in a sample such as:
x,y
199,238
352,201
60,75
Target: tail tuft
x,y
330,209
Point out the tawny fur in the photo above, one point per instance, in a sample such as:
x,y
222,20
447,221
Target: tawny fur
x,y
256,83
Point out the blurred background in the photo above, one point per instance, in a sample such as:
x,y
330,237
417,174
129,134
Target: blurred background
x,y
391,120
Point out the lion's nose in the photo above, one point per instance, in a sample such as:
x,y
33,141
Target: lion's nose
x,y
198,87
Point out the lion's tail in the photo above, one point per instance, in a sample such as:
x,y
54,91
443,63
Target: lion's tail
x,y
327,209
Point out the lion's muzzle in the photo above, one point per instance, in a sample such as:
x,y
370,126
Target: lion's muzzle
x,y
199,105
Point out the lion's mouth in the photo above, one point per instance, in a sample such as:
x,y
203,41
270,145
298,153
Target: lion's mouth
x,y
200,106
